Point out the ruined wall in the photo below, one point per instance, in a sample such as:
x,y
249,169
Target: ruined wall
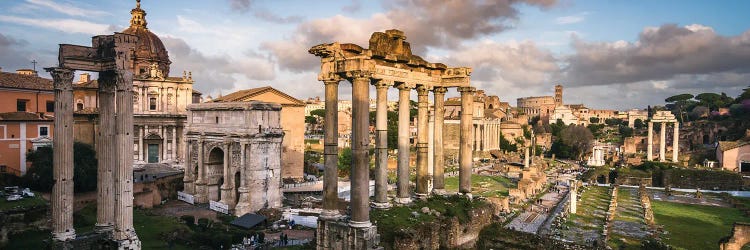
x,y
740,236
447,233
147,195
703,179
19,220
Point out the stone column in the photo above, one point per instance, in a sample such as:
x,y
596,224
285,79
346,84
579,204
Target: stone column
x,y
403,144
123,174
174,143
526,157
200,183
140,142
164,143
650,149
465,154
438,178
360,177
381,147
243,204
663,142
423,177
676,142
226,187
189,177
331,151
62,143
105,153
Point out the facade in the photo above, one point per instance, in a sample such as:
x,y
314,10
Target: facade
x,y
603,114
26,117
292,122
234,155
159,102
542,106
565,114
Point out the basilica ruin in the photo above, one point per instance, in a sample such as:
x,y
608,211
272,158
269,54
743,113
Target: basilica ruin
x,y
234,155
388,62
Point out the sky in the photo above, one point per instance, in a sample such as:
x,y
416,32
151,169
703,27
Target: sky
x,y
607,54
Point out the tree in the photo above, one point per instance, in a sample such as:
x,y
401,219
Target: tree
x,y
578,138
318,112
744,96
39,176
594,119
311,120
507,146
612,121
345,162
625,131
679,101
639,124
596,129
556,127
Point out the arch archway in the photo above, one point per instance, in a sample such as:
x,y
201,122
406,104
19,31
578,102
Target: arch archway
x,y
214,168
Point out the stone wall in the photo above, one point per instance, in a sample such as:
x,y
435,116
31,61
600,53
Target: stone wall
x,y
703,179
16,221
147,195
739,237
447,233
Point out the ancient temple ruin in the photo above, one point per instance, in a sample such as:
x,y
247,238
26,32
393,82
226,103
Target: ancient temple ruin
x,y
234,155
664,118
111,56
388,62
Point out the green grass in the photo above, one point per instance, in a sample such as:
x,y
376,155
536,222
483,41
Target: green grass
x,y
695,226
594,198
22,204
483,185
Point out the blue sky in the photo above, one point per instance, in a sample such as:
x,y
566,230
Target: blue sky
x,y
608,54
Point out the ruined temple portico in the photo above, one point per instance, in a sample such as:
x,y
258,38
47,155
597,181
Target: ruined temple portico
x,y
387,62
664,118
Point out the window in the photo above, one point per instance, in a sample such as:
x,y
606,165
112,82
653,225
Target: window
x,y
152,103
3,169
79,106
21,104
50,106
43,131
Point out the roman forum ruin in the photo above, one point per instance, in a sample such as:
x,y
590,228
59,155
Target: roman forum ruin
x,y
388,62
234,155
112,56
663,117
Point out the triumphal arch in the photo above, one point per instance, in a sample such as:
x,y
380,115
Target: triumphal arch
x,y
387,63
112,57
234,155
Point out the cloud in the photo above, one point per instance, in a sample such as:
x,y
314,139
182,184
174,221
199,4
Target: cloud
x,y
571,19
64,25
16,54
217,72
66,9
354,6
274,18
240,5
660,53
426,24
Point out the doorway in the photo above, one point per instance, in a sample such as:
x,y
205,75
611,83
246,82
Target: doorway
x,y
153,153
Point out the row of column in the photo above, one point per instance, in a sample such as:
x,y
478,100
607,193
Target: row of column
x,y
663,141
360,144
114,154
487,136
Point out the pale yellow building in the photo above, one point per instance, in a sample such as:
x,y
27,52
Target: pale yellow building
x,y
292,122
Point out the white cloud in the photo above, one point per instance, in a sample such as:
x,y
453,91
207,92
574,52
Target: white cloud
x,y
64,25
571,19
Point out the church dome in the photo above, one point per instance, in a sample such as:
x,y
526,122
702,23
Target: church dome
x,y
149,49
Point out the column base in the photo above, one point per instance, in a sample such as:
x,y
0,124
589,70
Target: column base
x,y
468,195
328,214
200,193
103,228
381,205
129,244
243,205
360,224
64,236
422,196
405,200
189,187
439,191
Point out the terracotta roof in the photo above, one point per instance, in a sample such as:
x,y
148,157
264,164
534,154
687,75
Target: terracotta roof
x,y
246,95
93,84
18,81
727,145
24,116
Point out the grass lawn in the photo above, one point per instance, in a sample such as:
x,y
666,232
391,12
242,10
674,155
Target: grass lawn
x,y
695,226
594,198
23,203
483,185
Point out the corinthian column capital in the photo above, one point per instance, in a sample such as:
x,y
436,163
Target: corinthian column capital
x,y
62,77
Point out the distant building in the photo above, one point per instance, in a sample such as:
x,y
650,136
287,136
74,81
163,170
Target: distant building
x,y
735,155
292,122
636,114
26,117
